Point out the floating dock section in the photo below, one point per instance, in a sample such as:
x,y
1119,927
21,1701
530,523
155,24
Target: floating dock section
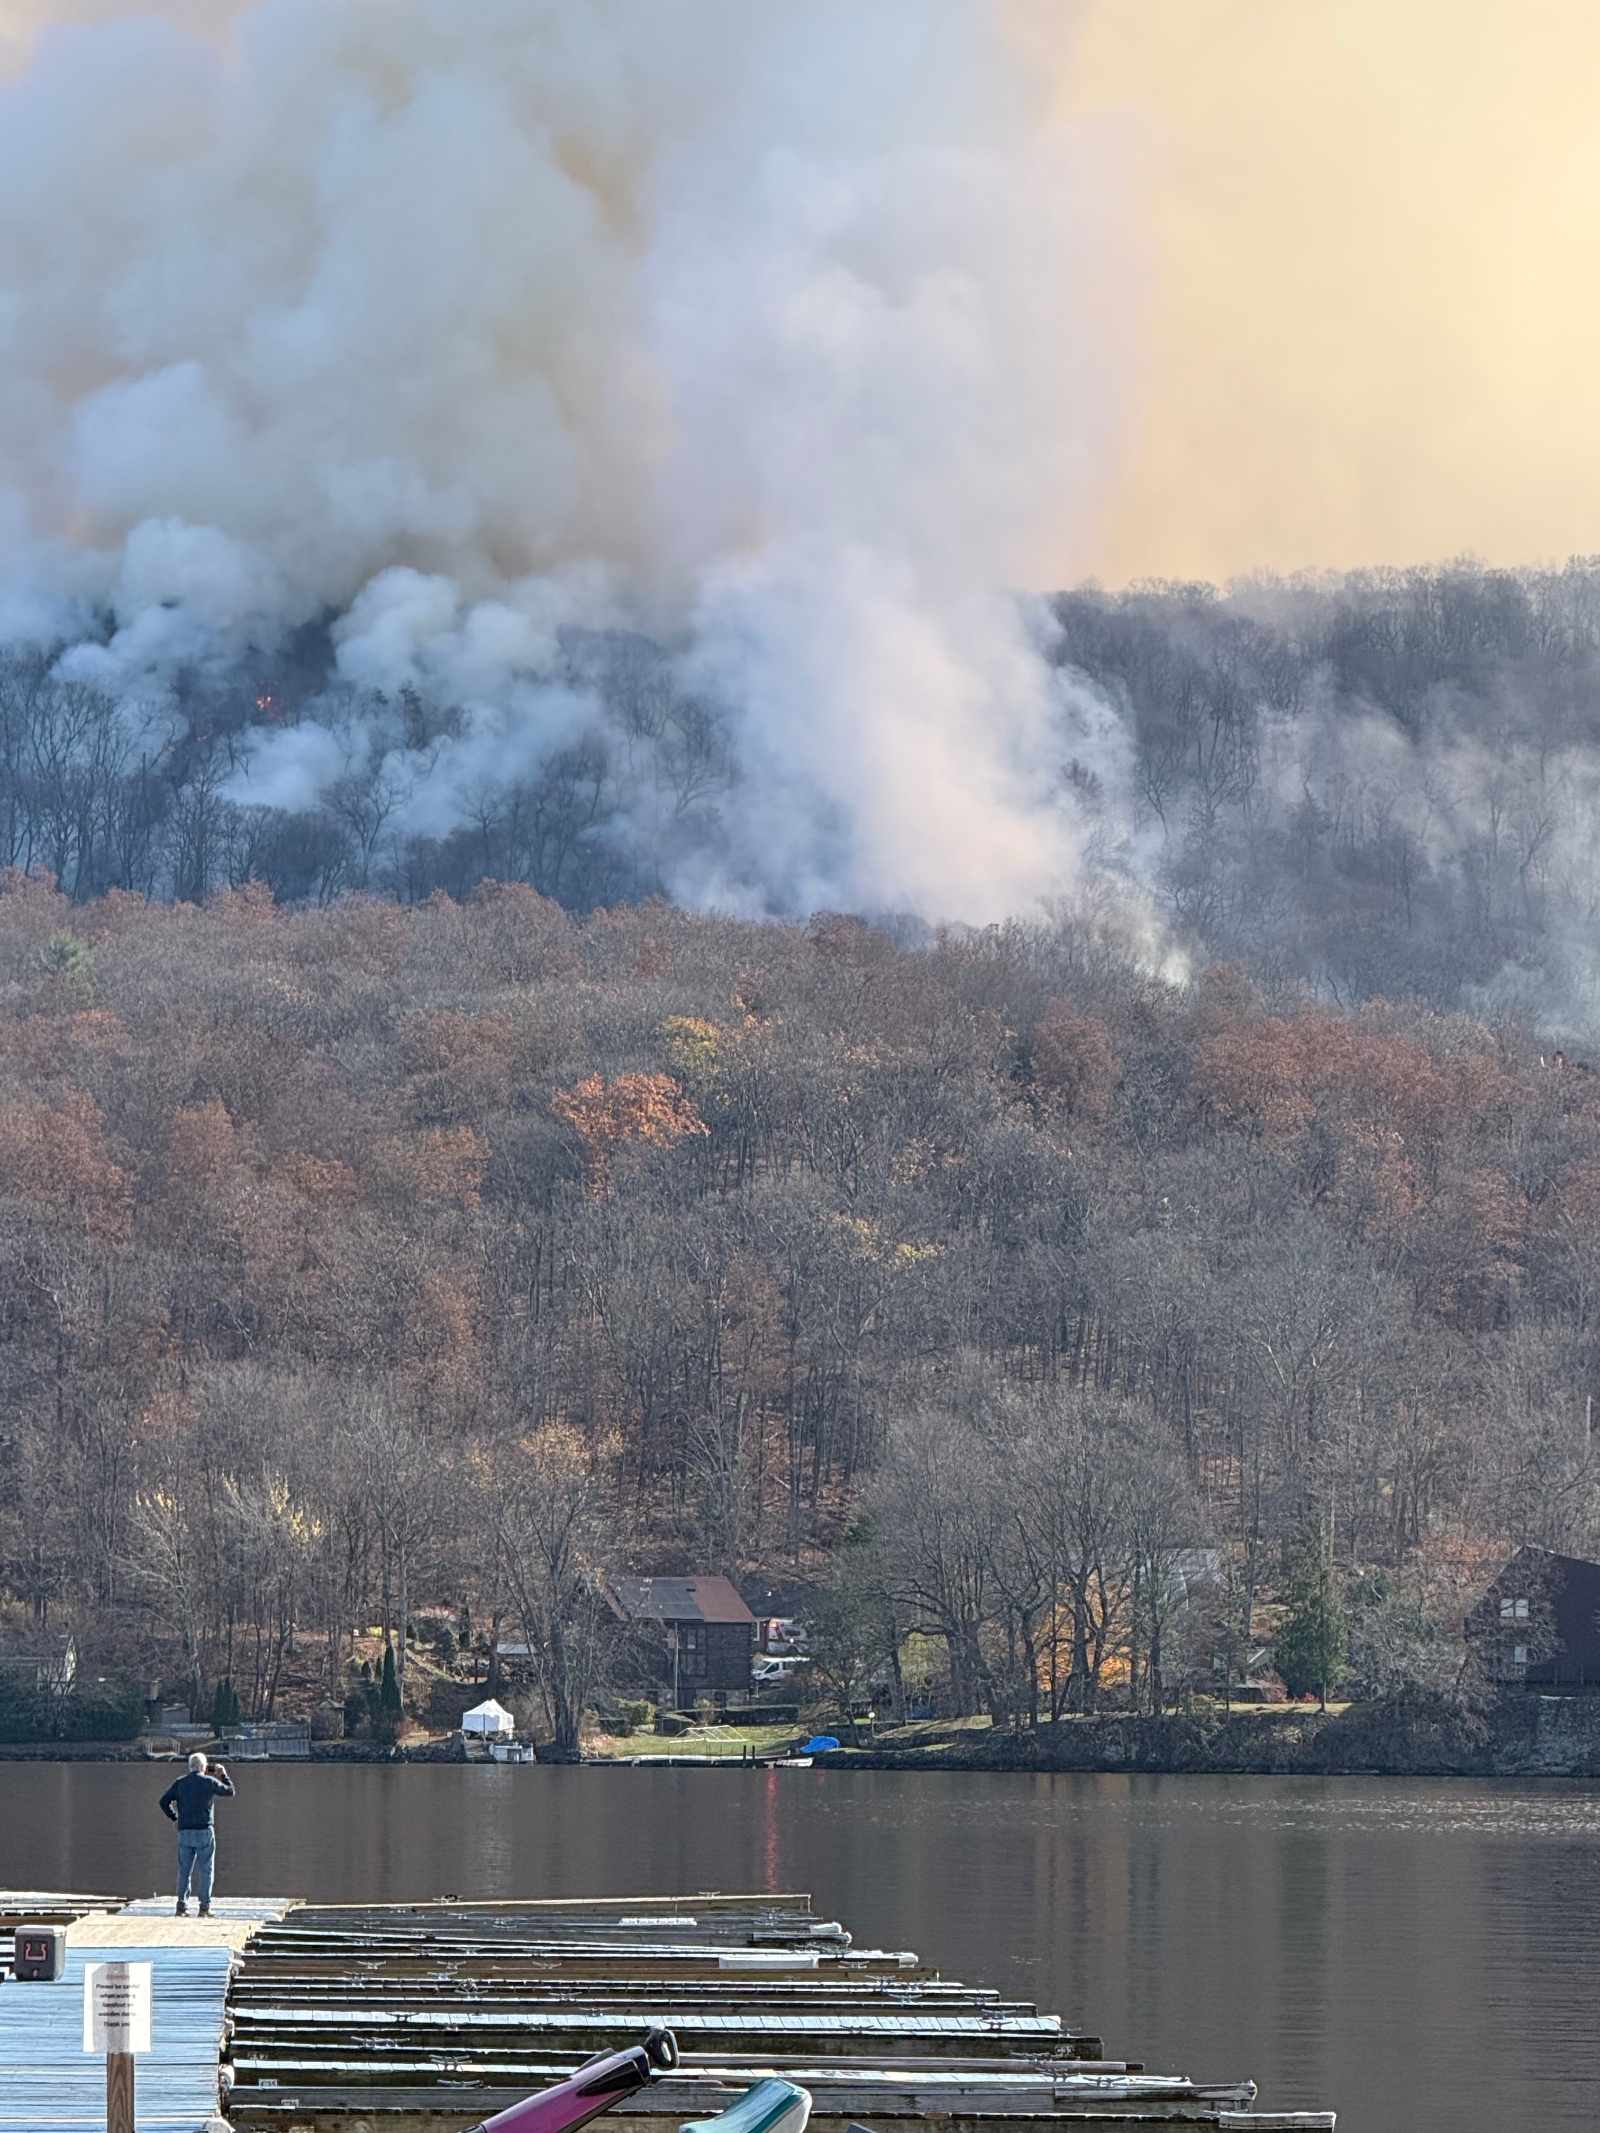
x,y
49,2085
429,2018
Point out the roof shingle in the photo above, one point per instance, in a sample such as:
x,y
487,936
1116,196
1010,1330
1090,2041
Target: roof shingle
x,y
679,1600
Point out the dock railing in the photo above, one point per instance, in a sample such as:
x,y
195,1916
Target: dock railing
x,y
703,1744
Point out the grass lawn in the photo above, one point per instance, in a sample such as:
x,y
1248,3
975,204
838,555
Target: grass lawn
x,y
929,1732
729,1741
1270,1710
933,1733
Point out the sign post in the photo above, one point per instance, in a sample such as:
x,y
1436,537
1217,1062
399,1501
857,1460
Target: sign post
x,y
116,2021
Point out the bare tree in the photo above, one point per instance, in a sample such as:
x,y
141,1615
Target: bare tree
x,y
400,1475
549,1497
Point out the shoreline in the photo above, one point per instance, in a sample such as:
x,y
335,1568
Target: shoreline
x,y
1524,1737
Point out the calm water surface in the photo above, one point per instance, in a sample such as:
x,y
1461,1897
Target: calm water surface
x,y
1423,1957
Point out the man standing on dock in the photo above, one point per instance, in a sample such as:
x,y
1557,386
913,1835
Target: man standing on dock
x,y
189,1802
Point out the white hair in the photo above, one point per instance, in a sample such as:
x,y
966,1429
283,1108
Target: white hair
x,y
197,1761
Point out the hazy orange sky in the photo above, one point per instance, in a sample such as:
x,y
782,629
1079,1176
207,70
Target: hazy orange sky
x,y
1363,237
1373,317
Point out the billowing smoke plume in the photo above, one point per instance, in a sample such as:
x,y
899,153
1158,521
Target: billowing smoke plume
x,y
681,390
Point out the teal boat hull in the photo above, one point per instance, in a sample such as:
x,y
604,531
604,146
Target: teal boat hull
x,y
770,2107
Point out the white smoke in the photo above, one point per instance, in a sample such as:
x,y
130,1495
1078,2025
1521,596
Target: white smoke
x,y
764,329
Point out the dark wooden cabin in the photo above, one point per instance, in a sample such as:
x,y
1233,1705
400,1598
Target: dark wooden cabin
x,y
1538,1625
694,1638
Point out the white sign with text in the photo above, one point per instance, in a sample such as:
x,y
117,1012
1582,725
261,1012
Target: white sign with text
x,y
116,2007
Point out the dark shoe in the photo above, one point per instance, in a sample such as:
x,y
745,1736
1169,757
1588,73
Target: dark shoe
x,y
205,1910
182,1911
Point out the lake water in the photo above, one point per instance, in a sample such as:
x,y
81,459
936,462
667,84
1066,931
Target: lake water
x,y
1418,1956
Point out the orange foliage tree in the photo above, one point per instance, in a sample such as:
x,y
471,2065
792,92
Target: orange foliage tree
x,y
648,1110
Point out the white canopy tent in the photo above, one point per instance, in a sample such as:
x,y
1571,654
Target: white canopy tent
x,y
489,1721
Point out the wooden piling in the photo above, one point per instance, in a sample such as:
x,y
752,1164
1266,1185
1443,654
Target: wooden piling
x,y
121,2106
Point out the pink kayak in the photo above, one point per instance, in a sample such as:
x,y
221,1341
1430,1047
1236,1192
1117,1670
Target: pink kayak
x,y
592,2089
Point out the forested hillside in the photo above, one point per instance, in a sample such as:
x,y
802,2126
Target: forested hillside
x,y
1377,784
375,1258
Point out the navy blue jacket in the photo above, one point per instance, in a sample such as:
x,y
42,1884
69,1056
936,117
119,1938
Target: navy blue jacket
x,y
189,1801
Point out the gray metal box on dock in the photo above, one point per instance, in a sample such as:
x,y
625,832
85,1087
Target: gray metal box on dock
x,y
39,1953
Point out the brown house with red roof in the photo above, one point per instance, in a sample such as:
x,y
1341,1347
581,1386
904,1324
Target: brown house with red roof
x,y
694,1637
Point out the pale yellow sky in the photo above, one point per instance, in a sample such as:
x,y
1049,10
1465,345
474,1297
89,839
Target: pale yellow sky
x,y
1365,235
1371,232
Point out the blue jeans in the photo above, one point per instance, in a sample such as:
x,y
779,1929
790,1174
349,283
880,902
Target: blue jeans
x,y
197,1855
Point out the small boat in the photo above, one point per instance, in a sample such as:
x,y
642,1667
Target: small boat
x,y
770,2107
594,2088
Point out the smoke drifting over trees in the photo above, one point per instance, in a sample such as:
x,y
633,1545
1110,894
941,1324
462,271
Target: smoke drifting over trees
x,y
372,363
1379,785
594,447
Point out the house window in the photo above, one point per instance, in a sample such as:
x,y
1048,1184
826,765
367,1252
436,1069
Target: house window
x,y
1513,1610
691,1651
1519,1655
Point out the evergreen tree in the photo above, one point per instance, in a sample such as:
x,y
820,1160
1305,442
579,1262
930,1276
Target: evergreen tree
x,y
225,1710
389,1693
1313,1640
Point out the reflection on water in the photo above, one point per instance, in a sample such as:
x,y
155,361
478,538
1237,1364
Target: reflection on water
x,y
1420,1956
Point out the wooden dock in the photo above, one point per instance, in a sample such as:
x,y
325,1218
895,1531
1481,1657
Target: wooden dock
x,y
428,2018
48,2085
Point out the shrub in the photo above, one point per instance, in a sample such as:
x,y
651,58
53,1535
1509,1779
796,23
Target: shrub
x,y
110,1714
106,1714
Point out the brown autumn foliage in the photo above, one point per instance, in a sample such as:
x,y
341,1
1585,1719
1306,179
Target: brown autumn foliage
x,y
296,1202
54,1157
1074,1069
608,1116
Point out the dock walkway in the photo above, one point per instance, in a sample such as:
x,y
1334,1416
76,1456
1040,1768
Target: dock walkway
x,y
431,2017
49,2084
